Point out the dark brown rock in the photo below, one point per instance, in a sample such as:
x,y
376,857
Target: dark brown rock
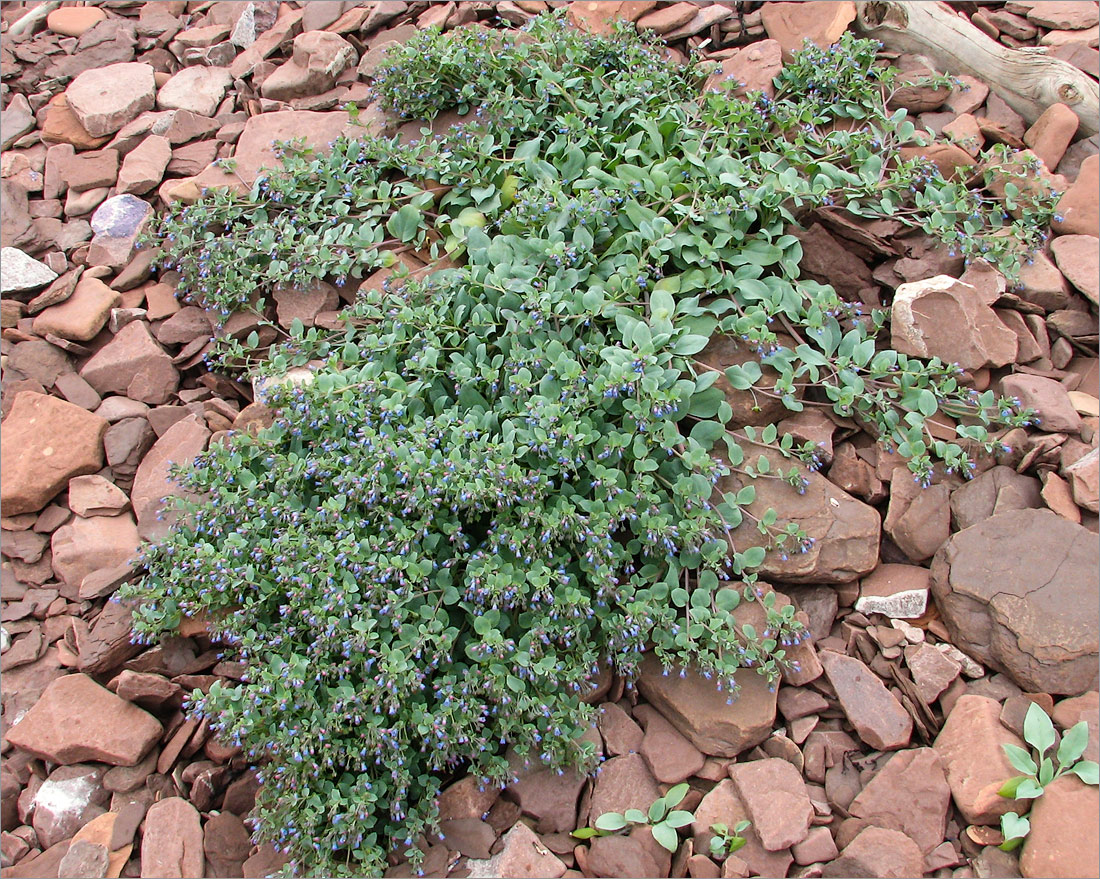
x,y
227,843
471,837
918,519
549,797
106,645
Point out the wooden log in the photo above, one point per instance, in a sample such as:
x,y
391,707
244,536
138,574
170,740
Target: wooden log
x,y
28,23
1027,79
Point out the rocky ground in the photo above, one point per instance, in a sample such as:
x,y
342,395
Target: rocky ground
x,y
937,615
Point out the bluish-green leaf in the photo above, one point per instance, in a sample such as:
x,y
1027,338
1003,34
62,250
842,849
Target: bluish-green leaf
x,y
1038,729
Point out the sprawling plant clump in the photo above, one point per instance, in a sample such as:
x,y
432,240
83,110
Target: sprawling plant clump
x,y
501,477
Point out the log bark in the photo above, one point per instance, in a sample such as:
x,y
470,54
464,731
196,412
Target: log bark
x,y
1027,79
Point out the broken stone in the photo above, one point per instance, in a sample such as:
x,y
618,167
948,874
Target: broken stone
x,y
1010,591
118,223
133,364
897,591
87,545
945,318
80,317
877,715
77,720
20,273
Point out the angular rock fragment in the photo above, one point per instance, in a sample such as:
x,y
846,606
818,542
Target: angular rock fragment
x,y
106,98
715,722
77,720
877,715
46,442
1010,590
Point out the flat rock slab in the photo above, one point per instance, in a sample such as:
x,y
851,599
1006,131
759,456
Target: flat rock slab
x,y
106,98
776,798
844,531
822,23
256,146
878,717
172,845
44,442
706,715
1012,592
77,720
943,317
910,793
181,443
970,749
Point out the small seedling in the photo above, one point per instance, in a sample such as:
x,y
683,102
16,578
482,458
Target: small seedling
x,y
1040,770
663,818
725,841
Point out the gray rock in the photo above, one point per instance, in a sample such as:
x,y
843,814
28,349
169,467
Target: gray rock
x,y
15,121
68,800
198,89
117,224
21,273
84,860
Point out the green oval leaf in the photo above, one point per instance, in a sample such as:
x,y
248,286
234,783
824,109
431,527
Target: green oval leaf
x,y
611,821
667,837
1038,730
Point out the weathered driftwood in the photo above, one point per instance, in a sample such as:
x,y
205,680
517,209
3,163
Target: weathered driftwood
x,y
30,21
1027,79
